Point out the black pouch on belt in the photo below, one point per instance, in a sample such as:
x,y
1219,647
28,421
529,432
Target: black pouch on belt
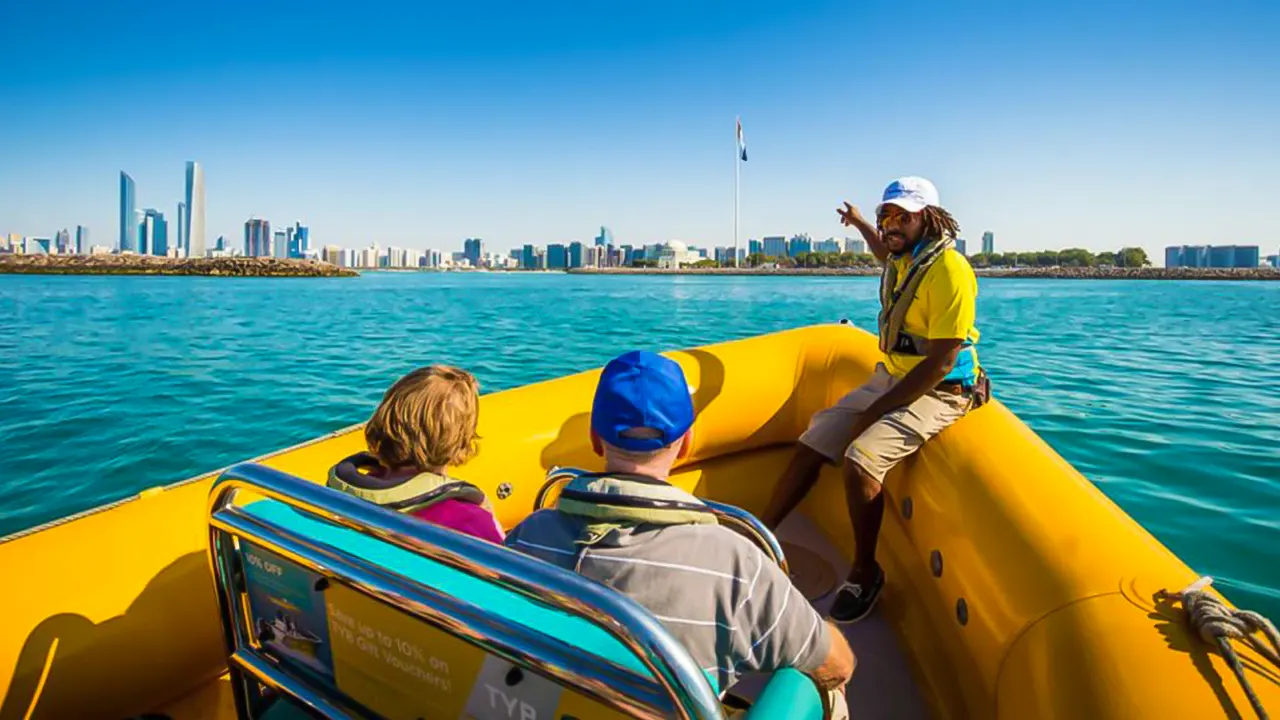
x,y
981,391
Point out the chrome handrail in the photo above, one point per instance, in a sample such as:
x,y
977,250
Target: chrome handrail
x,y
675,676
733,517
750,527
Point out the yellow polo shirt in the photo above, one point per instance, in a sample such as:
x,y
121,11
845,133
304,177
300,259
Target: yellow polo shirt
x,y
944,308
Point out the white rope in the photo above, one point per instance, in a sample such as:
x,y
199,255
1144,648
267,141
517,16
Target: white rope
x,y
1218,625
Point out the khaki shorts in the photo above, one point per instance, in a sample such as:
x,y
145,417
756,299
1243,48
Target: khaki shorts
x,y
893,437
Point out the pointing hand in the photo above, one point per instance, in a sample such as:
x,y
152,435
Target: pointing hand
x,y
849,216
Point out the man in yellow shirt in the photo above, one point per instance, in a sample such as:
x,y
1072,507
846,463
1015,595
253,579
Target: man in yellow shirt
x,y
929,378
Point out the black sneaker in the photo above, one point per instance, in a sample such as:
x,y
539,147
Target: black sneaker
x,y
854,601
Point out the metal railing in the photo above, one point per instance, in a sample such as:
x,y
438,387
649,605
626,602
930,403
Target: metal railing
x,y
676,686
732,517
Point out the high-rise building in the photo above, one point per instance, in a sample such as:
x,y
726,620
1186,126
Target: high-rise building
x,y
557,257
575,255
855,245
473,249
257,238
154,239
193,233
829,246
183,224
528,258
988,242
962,246
220,244
62,242
1173,257
128,212
799,244
755,247
331,254
299,240
628,255
82,240
775,246
605,238
39,245
1274,260
724,256
280,244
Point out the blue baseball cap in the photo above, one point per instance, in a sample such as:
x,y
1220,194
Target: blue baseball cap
x,y
642,390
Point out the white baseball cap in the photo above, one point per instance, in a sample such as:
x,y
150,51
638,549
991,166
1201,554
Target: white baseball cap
x,y
912,194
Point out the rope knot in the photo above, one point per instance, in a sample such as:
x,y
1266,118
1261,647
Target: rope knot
x,y
1218,625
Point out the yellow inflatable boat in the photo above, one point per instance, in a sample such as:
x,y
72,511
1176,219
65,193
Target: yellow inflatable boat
x,y
1016,588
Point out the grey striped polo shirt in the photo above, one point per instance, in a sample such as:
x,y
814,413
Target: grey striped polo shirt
x,y
715,592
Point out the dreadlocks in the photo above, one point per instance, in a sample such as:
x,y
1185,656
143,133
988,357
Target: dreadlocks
x,y
938,223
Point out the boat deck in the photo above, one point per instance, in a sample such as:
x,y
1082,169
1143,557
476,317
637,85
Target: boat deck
x,y
882,685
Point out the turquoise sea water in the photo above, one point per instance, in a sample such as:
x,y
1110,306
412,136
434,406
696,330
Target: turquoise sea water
x,y
1163,393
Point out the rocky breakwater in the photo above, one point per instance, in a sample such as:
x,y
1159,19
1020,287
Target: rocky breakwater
x,y
148,265
1133,273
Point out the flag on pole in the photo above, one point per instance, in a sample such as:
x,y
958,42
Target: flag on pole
x,y
742,143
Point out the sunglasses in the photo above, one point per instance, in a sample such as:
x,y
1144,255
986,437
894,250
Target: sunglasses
x,y
887,212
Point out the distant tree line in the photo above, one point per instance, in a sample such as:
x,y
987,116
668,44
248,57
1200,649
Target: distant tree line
x,y
814,260
1071,257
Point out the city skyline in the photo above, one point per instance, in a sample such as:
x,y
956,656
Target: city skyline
x,y
421,125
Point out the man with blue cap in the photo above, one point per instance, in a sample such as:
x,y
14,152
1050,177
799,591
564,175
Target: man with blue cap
x,y
628,528
928,380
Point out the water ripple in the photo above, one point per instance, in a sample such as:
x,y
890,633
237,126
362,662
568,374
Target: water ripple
x,y
1159,392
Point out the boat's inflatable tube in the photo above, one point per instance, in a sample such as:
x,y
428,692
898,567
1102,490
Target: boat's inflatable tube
x,y
1017,588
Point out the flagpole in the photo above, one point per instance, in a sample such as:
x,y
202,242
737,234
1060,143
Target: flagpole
x,y
737,166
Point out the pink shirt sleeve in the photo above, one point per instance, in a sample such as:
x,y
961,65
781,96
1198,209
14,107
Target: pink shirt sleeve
x,y
464,517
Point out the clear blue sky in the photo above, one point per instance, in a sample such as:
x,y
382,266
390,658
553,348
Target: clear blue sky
x,y
418,124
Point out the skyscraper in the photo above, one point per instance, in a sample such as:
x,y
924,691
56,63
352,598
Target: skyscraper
x,y
799,244
154,235
962,247
988,242
754,247
82,240
775,246
181,234
280,245
528,258
193,234
300,244
473,249
828,246
575,255
62,241
605,238
128,210
855,246
557,257
257,238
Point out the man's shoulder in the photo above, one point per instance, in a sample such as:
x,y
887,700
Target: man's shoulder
x,y
951,268
714,544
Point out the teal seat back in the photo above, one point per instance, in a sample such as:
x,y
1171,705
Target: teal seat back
x,y
348,609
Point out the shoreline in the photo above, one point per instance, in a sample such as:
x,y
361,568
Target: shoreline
x,y
1048,273
150,265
